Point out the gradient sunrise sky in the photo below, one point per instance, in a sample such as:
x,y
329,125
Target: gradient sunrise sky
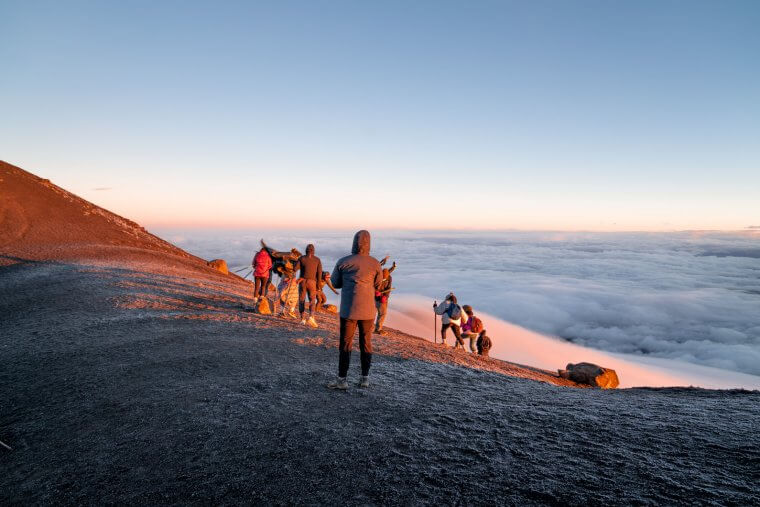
x,y
568,115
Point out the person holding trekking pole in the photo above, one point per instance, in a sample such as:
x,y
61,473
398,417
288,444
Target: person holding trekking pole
x,y
452,317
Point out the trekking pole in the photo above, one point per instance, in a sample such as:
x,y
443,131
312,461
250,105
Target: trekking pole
x,y
246,275
435,322
241,269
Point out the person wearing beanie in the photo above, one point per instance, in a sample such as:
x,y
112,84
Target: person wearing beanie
x,y
472,329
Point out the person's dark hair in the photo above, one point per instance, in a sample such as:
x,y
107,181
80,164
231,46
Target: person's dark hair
x,y
452,298
467,309
309,249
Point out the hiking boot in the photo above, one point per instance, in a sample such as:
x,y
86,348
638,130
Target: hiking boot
x,y
340,383
364,381
312,322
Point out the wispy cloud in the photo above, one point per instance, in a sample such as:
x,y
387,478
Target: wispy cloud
x,y
99,189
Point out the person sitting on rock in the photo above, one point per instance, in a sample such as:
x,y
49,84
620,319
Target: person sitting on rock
x,y
472,329
382,295
262,265
310,267
484,344
452,317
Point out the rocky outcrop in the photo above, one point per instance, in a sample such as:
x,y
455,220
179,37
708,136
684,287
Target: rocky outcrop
x,y
590,374
219,265
329,308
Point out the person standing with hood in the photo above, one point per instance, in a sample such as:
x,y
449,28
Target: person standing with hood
x,y
360,276
310,267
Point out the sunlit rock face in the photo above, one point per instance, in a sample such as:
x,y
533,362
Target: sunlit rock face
x,y
590,374
219,265
263,307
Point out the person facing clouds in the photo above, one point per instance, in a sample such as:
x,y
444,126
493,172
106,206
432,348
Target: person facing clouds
x,y
310,273
359,276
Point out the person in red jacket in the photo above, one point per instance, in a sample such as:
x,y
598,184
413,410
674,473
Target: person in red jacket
x,y
262,264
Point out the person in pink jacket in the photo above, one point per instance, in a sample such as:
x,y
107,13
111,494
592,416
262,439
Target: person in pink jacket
x,y
262,264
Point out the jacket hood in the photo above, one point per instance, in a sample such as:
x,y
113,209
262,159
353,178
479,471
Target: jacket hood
x,y
361,243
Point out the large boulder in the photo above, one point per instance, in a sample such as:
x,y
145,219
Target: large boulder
x,y
590,374
219,265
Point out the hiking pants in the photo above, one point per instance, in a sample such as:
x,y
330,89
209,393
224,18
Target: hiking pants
x,y
260,286
307,287
347,330
473,339
457,334
382,311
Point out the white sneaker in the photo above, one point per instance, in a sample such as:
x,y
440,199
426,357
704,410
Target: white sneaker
x,y
340,383
303,321
312,322
364,382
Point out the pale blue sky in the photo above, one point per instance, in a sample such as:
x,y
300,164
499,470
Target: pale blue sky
x,y
532,115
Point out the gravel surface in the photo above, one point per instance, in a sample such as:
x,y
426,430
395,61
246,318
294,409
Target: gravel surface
x,y
127,384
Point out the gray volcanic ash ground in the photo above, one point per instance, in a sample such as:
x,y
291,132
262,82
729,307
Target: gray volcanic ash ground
x,y
125,386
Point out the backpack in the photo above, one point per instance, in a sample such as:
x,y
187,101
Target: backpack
x,y
477,325
454,311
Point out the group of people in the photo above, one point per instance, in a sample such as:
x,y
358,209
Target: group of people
x,y
365,290
464,324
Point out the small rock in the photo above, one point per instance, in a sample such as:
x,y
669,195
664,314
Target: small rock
x,y
219,265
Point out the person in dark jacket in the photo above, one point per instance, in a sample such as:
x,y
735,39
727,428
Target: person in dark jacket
x,y
310,273
359,275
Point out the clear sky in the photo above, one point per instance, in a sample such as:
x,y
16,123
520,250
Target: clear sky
x,y
595,115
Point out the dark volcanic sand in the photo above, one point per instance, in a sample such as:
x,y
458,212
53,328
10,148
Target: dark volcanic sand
x,y
120,386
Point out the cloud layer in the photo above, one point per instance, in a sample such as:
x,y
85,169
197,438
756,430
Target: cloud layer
x,y
691,296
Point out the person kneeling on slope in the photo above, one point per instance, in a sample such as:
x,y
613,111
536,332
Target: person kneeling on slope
x,y
452,317
473,328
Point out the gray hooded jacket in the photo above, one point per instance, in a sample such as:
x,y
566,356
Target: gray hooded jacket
x,y
359,275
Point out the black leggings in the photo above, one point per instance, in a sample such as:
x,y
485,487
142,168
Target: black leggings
x,y
260,285
347,330
457,333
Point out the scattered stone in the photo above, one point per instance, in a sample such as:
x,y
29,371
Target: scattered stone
x,y
590,374
330,308
219,265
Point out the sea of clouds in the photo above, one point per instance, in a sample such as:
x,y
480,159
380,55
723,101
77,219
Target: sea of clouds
x,y
688,296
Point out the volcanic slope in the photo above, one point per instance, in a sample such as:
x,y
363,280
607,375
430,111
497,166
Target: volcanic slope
x,y
132,372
